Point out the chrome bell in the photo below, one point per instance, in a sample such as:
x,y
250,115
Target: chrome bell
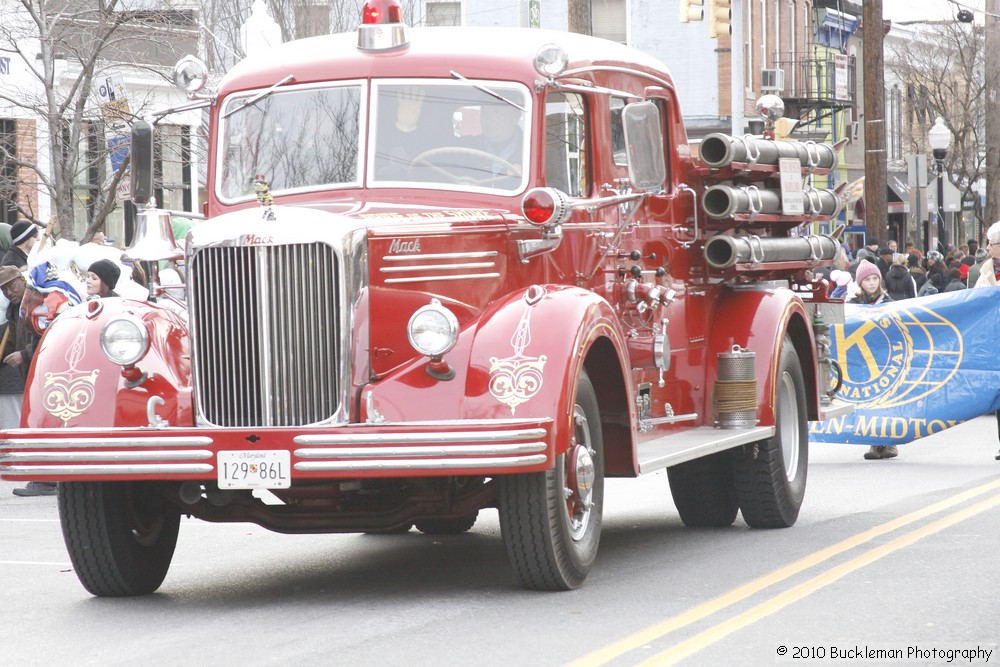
x,y
154,238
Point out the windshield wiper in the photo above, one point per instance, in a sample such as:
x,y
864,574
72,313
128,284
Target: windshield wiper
x,y
259,96
484,89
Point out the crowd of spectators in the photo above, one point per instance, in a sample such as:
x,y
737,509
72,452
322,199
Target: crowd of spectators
x,y
909,273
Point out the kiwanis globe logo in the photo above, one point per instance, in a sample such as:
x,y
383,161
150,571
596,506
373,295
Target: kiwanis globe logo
x,y
892,357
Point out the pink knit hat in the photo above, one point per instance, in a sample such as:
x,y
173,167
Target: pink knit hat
x,y
841,278
865,269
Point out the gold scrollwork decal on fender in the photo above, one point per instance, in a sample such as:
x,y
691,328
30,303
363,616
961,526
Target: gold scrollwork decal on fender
x,y
69,394
517,379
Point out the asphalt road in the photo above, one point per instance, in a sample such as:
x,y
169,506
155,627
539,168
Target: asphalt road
x,y
891,563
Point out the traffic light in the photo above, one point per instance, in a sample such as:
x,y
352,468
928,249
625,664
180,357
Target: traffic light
x,y
691,10
719,16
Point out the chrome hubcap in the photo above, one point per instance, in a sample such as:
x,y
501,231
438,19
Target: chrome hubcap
x,y
580,477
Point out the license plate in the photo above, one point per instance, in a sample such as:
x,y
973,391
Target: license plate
x,y
255,469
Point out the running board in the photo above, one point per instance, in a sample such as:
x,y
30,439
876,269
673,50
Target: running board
x,y
694,443
835,409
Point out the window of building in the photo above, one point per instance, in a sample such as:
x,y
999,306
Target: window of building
x,y
8,172
312,20
443,13
609,20
748,49
566,160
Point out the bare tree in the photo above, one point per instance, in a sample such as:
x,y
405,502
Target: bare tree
x,y
66,47
220,21
943,71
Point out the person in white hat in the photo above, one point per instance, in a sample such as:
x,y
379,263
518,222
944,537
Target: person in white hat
x,y
989,276
989,269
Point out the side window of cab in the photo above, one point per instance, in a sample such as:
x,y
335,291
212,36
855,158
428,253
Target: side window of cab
x,y
618,132
567,162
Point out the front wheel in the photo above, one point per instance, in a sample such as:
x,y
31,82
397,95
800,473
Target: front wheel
x,y
770,475
551,521
120,535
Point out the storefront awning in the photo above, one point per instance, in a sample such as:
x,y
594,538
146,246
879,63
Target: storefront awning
x,y
897,194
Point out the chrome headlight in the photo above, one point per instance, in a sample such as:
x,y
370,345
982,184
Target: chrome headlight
x,y
433,329
124,340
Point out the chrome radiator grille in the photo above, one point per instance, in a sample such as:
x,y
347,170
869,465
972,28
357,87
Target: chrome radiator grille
x,y
265,334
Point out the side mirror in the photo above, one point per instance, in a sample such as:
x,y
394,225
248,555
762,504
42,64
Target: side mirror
x,y
141,174
644,146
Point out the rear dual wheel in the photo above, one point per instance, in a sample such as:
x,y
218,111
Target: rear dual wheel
x,y
703,491
551,521
770,476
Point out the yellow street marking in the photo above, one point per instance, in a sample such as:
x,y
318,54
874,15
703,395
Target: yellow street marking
x,y
643,637
703,639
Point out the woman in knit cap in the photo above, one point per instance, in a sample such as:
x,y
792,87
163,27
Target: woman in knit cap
x,y
102,277
869,280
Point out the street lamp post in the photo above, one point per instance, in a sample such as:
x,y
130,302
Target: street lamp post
x,y
939,138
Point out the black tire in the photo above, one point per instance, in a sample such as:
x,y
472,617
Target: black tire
x,y
551,521
770,475
120,535
457,526
703,491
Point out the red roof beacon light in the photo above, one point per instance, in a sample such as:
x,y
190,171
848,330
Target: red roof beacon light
x,y
546,207
382,26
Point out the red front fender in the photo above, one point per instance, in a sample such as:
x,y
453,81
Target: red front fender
x,y
72,383
519,359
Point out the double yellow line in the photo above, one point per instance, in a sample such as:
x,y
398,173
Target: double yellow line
x,y
710,636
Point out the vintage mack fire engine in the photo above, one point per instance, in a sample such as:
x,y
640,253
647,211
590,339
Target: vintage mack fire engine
x,y
443,270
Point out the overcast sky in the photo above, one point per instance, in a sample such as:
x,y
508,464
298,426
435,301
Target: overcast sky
x,y
915,10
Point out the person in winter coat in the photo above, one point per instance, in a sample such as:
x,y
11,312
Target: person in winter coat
x,y
955,281
102,278
884,260
19,347
869,280
981,256
899,283
840,279
935,264
963,268
916,271
23,236
934,284
989,276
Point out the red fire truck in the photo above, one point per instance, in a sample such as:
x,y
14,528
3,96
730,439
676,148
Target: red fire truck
x,y
443,270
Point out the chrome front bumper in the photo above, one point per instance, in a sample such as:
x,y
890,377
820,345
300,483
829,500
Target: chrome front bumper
x,y
397,449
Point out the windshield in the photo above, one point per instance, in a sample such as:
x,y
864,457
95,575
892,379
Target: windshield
x,y
425,134
295,139
449,132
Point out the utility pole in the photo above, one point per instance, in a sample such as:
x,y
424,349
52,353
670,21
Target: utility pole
x,y
876,204
992,26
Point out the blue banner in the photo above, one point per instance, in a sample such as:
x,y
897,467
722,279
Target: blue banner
x,y
915,367
118,150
